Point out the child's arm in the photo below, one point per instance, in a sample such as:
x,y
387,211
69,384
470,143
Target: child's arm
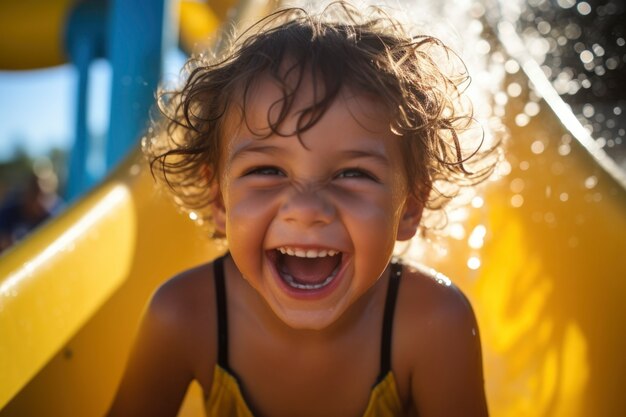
x,y
448,378
157,373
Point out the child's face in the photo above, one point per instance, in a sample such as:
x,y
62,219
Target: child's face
x,y
341,200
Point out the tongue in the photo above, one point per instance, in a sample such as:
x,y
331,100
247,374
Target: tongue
x,y
309,270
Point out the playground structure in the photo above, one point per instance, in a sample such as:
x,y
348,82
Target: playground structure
x,y
547,288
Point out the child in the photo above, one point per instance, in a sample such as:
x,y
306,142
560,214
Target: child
x,y
313,146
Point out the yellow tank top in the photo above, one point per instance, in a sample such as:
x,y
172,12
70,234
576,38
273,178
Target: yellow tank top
x,y
226,399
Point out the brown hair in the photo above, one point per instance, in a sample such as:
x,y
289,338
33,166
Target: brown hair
x,y
339,47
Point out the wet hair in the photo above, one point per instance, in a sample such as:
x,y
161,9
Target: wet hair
x,y
341,47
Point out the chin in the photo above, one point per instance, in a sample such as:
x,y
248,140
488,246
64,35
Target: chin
x,y
307,320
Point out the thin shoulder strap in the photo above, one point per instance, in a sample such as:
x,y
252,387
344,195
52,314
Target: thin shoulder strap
x,y
222,314
390,306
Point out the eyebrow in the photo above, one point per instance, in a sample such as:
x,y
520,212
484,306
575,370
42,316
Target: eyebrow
x,y
369,153
254,147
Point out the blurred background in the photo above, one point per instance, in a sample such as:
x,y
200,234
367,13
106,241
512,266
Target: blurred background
x,y
539,250
580,46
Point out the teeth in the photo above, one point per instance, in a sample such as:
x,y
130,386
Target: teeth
x,y
293,283
307,253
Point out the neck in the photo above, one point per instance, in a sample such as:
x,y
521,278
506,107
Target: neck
x,y
359,316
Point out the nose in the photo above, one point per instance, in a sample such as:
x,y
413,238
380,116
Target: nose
x,y
307,208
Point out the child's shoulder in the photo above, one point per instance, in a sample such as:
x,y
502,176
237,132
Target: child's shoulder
x,y
182,313
433,315
438,344
180,297
432,294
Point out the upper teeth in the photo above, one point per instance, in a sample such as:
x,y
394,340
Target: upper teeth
x,y
307,253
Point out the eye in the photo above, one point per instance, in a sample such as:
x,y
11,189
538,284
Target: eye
x,y
264,171
357,173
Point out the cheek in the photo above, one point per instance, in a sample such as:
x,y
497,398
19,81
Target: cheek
x,y
371,215
247,211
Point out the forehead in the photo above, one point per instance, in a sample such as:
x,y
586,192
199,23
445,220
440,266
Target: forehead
x,y
285,107
355,125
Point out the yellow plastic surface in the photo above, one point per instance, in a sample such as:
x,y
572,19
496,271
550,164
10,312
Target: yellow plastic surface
x,y
32,33
548,294
52,284
73,292
33,30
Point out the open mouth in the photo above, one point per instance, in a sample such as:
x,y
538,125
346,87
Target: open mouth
x,y
306,269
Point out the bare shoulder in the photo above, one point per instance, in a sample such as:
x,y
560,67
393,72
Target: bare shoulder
x,y
179,300
184,307
173,346
429,300
439,345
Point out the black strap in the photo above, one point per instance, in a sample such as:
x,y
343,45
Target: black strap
x,y
390,306
222,315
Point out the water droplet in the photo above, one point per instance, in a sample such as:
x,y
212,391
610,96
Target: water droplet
x,y
566,4
524,165
522,119
544,27
473,263
501,98
591,182
598,49
517,185
586,57
588,110
503,169
531,108
478,202
482,47
511,66
537,147
583,8
517,201
617,111
477,237
549,217
514,90
564,197
193,215
612,63
573,31
564,149
579,47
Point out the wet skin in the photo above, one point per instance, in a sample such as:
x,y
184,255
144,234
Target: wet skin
x,y
340,187
309,353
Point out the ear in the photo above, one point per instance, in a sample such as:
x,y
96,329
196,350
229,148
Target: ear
x,y
410,219
218,212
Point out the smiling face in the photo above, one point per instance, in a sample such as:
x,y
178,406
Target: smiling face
x,y
312,220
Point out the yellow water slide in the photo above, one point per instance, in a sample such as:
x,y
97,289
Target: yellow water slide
x,y
540,254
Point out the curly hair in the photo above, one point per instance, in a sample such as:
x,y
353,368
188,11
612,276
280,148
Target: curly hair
x,y
339,47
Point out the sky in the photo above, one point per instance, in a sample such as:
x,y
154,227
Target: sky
x,y
37,107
